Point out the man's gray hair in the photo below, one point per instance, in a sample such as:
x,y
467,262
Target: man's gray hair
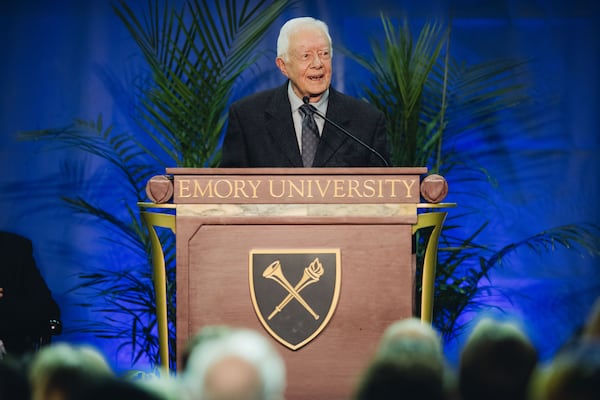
x,y
294,25
244,344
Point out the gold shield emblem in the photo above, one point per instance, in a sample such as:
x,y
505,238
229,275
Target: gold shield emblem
x,y
295,292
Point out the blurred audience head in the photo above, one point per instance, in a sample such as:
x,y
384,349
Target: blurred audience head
x,y
574,374
205,334
63,372
236,364
390,378
408,364
496,362
406,337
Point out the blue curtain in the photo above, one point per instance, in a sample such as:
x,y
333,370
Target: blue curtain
x,y
56,57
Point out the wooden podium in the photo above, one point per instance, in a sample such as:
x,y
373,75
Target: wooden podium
x,y
319,260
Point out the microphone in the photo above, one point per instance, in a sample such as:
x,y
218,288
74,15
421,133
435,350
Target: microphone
x,y
313,109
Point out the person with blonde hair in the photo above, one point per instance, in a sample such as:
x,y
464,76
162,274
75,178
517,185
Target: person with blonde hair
x,y
66,372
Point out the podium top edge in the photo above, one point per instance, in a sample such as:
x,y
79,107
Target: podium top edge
x,y
300,171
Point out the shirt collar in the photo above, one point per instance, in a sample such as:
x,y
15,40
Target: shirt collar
x,y
296,102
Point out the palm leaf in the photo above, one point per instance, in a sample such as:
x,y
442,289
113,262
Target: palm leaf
x,y
584,237
400,69
434,106
126,302
195,54
121,150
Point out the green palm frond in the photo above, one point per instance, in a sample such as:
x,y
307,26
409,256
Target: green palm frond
x,y
464,266
128,310
128,233
583,238
480,93
400,69
122,151
434,104
195,54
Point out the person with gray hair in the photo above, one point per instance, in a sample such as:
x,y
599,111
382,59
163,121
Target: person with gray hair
x,y
305,122
411,335
238,364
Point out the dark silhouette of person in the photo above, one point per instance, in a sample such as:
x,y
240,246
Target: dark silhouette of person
x,y
13,380
26,303
573,374
409,364
390,377
496,362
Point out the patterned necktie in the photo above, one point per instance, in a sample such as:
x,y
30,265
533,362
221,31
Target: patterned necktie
x,y
310,136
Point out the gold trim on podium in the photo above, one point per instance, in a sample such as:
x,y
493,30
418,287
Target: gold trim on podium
x,y
167,220
155,220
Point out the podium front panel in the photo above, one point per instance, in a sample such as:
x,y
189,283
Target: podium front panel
x,y
377,283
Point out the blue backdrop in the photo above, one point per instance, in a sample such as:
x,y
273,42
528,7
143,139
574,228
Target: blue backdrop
x,y
55,56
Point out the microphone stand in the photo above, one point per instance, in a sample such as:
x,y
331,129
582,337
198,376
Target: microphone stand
x,y
313,109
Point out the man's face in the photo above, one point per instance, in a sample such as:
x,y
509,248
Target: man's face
x,y
308,64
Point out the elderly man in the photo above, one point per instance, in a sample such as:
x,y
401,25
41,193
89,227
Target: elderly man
x,y
275,128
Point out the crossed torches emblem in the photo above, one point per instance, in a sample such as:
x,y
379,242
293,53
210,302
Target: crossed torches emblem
x,y
311,274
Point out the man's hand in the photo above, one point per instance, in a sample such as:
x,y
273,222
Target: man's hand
x,y
1,292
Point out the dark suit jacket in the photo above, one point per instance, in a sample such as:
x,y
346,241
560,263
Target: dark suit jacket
x,y
27,304
261,133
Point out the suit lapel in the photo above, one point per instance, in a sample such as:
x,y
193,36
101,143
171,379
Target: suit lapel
x,y
280,126
331,138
